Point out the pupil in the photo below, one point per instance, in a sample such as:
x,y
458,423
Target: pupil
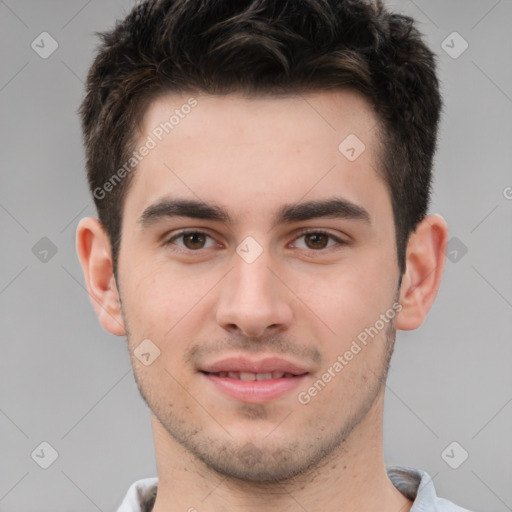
x,y
317,240
196,240
317,236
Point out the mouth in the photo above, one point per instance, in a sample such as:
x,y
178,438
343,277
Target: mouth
x,y
254,381
247,376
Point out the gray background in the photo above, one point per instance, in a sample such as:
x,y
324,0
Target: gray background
x,y
67,382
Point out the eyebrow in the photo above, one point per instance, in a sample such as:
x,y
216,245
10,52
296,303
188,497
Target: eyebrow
x,y
331,208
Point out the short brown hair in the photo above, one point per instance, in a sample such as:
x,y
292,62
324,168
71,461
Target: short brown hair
x,y
265,47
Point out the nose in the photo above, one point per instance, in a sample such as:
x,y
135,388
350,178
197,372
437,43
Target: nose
x,y
253,299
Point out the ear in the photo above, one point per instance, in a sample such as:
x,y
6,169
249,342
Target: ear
x,y
94,252
425,259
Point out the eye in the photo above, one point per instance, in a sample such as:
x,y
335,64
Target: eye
x,y
196,240
318,240
192,240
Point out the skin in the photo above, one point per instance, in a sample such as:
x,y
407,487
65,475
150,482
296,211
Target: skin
x,y
298,300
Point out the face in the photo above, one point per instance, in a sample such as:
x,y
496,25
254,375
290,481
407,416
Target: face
x,y
284,270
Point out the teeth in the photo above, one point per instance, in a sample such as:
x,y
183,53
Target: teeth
x,y
247,376
263,376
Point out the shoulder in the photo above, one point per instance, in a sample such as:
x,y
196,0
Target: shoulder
x,y
417,485
140,495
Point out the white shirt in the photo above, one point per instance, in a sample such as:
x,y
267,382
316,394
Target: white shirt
x,y
415,484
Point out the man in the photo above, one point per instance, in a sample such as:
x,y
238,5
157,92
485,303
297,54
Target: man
x,y
262,175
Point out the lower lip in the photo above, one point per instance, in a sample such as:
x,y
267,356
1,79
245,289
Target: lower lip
x,y
255,391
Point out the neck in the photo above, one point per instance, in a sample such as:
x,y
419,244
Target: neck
x,y
352,477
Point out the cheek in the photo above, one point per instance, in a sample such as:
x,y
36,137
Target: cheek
x,y
158,298
348,297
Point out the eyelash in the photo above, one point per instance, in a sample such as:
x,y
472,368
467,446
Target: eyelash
x,y
181,234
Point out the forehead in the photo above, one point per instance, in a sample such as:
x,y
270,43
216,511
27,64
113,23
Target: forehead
x,y
308,117
254,151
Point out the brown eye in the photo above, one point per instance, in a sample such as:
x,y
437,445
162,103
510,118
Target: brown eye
x,y
194,240
191,241
316,240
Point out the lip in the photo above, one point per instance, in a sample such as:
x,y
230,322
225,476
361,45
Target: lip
x,y
265,365
257,391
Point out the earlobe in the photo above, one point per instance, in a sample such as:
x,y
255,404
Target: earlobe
x,y
94,252
425,265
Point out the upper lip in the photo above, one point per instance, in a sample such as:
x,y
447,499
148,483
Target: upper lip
x,y
243,364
